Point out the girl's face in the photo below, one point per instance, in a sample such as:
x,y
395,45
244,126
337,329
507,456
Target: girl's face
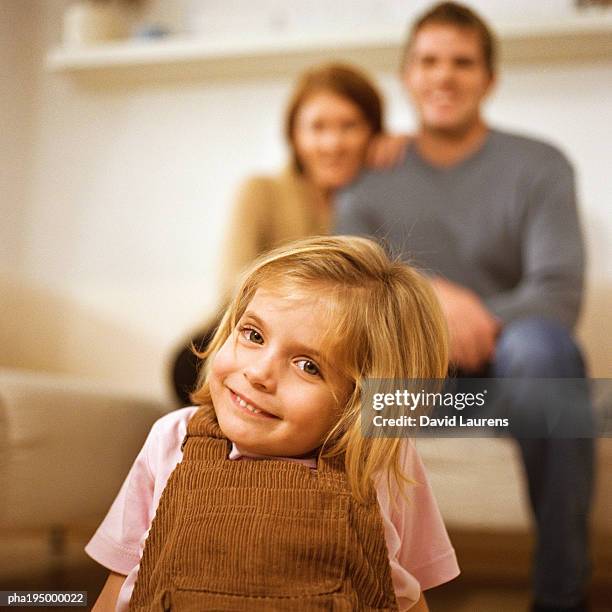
x,y
271,386
331,137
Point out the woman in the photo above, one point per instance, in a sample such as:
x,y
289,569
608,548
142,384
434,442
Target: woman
x,y
333,126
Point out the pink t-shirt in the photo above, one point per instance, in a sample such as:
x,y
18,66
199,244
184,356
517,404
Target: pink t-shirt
x,y
420,553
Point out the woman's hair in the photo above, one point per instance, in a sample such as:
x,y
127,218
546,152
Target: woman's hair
x,y
385,323
339,79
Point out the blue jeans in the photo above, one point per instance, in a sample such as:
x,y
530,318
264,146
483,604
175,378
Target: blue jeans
x,y
559,470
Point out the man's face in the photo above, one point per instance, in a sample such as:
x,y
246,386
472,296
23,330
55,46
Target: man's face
x,y
447,78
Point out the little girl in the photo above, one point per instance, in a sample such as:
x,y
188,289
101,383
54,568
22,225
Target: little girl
x,y
266,496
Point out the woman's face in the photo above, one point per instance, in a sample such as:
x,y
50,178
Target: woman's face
x,y
331,136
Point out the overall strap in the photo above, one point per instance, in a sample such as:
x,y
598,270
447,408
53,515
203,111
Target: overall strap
x,y
212,444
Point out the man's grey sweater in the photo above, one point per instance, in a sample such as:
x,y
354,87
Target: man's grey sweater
x,y
502,222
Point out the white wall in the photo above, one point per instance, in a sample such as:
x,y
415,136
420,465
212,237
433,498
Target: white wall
x,y
16,95
120,213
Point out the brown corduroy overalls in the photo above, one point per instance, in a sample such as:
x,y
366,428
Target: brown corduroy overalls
x,y
260,535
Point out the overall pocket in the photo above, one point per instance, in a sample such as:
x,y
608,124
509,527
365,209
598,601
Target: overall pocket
x,y
183,600
280,543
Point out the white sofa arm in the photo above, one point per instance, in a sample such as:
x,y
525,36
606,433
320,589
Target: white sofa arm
x,y
65,447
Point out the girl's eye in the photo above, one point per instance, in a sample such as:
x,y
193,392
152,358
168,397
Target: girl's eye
x,y
252,335
309,367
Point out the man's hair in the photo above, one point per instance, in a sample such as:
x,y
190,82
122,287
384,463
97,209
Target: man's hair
x,y
459,16
342,80
383,321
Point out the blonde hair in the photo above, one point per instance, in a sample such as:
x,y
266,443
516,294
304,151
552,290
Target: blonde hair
x,y
387,324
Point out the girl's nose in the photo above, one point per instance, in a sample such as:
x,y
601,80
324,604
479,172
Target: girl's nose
x,y
260,374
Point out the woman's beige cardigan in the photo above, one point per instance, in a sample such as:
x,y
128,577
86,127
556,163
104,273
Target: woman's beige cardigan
x,y
268,212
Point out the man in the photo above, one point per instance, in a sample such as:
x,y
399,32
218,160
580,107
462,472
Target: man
x,y
492,217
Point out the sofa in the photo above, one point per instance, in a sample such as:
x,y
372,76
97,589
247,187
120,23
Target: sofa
x,y
66,443
481,491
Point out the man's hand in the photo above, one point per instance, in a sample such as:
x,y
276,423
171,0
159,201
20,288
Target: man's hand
x,y
472,328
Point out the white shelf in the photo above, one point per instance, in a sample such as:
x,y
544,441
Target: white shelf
x,y
585,36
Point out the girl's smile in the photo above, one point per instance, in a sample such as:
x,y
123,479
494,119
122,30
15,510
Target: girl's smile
x,y
246,404
273,390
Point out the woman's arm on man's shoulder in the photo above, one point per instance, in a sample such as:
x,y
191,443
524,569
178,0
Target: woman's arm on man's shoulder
x,y
386,151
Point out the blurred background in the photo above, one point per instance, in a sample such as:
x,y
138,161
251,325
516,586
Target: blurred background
x,y
118,172
122,148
